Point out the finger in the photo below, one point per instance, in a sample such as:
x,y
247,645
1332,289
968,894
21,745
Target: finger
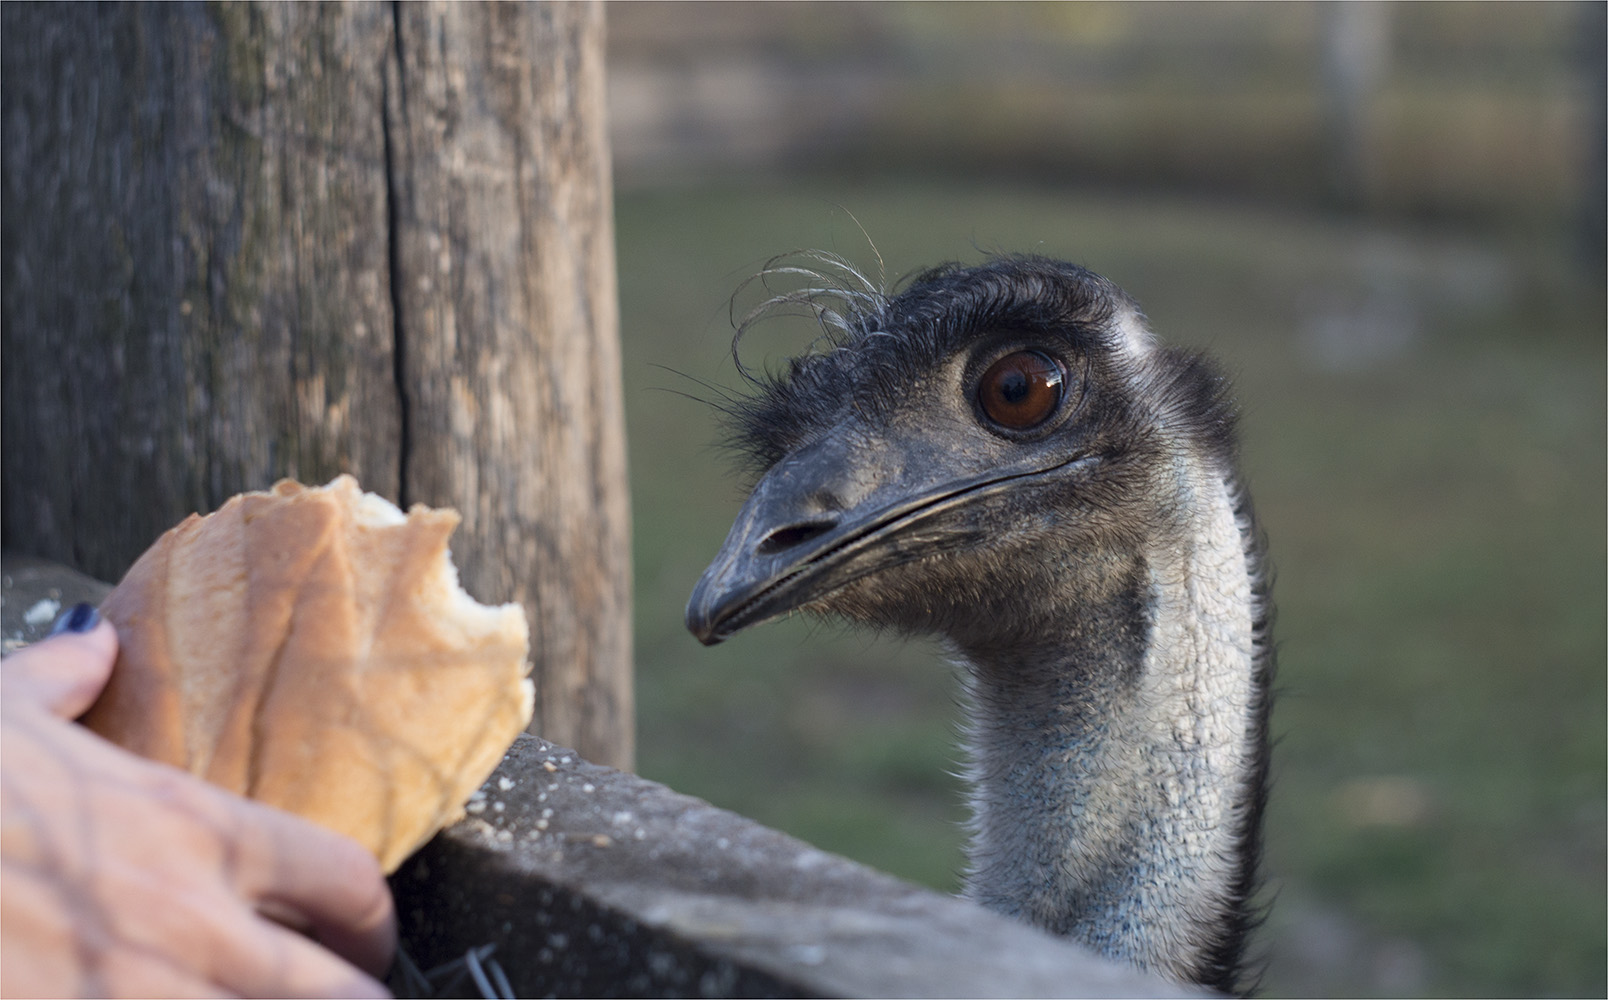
x,y
263,959
202,930
66,672
301,874
135,972
316,880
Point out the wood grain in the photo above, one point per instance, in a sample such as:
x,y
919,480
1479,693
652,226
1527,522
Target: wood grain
x,y
251,240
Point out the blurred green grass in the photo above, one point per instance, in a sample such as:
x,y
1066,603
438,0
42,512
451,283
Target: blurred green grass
x,y
1424,436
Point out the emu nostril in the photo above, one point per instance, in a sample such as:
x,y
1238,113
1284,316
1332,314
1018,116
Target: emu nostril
x,y
793,534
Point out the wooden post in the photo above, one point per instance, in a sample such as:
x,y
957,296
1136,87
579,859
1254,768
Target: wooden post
x,y
1354,36
251,240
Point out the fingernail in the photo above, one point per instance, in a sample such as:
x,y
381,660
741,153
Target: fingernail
x,y
82,618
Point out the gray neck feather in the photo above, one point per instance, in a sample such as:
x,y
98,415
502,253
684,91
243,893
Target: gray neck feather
x,y
1115,759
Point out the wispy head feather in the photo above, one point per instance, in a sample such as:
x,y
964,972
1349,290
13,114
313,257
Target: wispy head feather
x,y
835,294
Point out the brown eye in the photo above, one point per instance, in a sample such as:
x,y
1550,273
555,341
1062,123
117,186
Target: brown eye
x,y
1020,390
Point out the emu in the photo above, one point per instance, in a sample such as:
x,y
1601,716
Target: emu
x,y
1004,456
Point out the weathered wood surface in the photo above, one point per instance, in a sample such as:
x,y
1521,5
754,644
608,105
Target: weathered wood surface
x,y
505,241
590,882
246,241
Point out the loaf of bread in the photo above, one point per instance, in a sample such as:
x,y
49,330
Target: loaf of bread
x,y
311,649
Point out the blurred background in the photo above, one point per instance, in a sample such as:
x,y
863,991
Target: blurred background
x,y
1386,220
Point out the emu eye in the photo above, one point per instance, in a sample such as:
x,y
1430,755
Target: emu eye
x,y
1020,390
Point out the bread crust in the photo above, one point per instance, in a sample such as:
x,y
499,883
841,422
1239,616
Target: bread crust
x,y
310,648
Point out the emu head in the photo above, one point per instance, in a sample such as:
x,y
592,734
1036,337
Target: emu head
x,y
976,457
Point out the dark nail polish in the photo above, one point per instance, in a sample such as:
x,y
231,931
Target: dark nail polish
x,y
81,618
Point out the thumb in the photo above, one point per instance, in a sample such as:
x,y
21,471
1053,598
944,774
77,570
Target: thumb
x,y
66,672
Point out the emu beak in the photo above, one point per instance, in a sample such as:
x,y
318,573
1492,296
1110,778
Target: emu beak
x,y
789,518
840,510
809,525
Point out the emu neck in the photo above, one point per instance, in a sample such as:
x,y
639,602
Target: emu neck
x,y
1116,760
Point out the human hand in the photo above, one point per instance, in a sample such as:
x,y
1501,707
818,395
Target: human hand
x,y
124,877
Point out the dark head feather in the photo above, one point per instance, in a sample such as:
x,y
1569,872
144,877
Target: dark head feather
x,y
869,333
